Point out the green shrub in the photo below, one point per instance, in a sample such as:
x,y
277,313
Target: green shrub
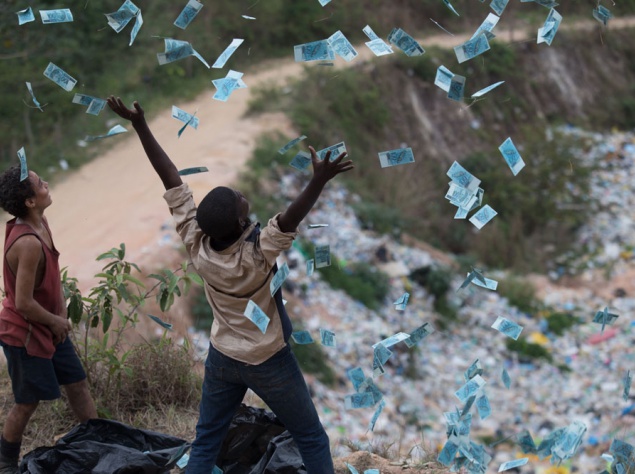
x,y
520,293
379,218
361,281
558,323
434,279
313,360
528,351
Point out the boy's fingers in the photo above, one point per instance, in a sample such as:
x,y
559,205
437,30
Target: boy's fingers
x,y
337,160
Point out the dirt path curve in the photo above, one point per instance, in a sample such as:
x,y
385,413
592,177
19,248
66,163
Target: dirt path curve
x,y
118,198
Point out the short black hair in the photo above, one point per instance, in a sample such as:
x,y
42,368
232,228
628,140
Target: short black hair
x,y
14,192
217,214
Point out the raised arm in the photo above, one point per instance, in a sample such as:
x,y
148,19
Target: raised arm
x,y
323,171
158,158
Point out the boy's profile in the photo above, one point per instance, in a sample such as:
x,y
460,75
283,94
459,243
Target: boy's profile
x,y
237,260
33,324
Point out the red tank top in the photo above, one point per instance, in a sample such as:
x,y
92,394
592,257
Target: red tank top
x,y
15,329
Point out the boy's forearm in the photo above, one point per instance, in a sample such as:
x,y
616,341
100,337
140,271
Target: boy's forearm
x,y
160,161
300,207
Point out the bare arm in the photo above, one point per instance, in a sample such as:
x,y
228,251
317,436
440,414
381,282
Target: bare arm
x,y
158,158
28,250
323,171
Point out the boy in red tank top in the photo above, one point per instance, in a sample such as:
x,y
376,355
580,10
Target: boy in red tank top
x,y
33,322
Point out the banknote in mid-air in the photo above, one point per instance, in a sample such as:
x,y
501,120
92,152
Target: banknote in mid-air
x,y
301,161
405,42
507,327
472,48
547,32
419,335
322,256
511,155
483,216
400,156
188,13
327,338
512,464
24,170
291,144
225,55
177,49
60,77
470,388
336,150
302,337
373,420
498,6
443,78
257,316
188,119
94,104
160,322
487,26
358,400
314,51
341,46
457,88
227,85
484,91
462,177
63,15
25,16
116,130
35,101
193,170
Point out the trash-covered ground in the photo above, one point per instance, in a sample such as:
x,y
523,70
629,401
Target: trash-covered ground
x,y
419,383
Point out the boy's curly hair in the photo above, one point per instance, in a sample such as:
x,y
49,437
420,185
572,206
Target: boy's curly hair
x,y
14,192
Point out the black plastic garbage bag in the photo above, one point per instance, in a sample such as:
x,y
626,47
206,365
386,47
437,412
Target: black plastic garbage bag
x,y
106,447
257,443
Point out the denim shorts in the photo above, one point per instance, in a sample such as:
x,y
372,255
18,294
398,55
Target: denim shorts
x,y
35,378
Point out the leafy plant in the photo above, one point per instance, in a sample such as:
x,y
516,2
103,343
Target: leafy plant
x,y
114,304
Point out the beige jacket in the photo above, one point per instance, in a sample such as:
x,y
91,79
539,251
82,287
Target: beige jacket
x,y
232,277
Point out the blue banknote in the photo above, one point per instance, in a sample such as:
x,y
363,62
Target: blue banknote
x,y
314,51
483,406
405,42
327,338
336,150
373,420
302,337
358,400
183,116
379,47
400,156
24,170
419,335
457,88
507,380
341,46
472,48
392,340
291,144
507,327
322,256
120,19
605,318
462,177
443,78
448,453
116,130
488,283
512,464
356,376
483,216
450,7
301,161
63,15
177,49
602,14
135,29
324,2
487,26
35,101
227,85
498,6
470,388
351,469
225,55
368,385
381,354
511,155
279,278
25,16
548,31
626,383
368,31
310,267
188,13
94,105
247,17
484,91
60,77
473,370
257,316
402,301
526,442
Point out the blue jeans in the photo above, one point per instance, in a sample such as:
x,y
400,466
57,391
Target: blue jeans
x,y
280,384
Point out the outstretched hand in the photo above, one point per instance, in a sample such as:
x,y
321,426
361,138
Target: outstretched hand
x,y
325,169
135,115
